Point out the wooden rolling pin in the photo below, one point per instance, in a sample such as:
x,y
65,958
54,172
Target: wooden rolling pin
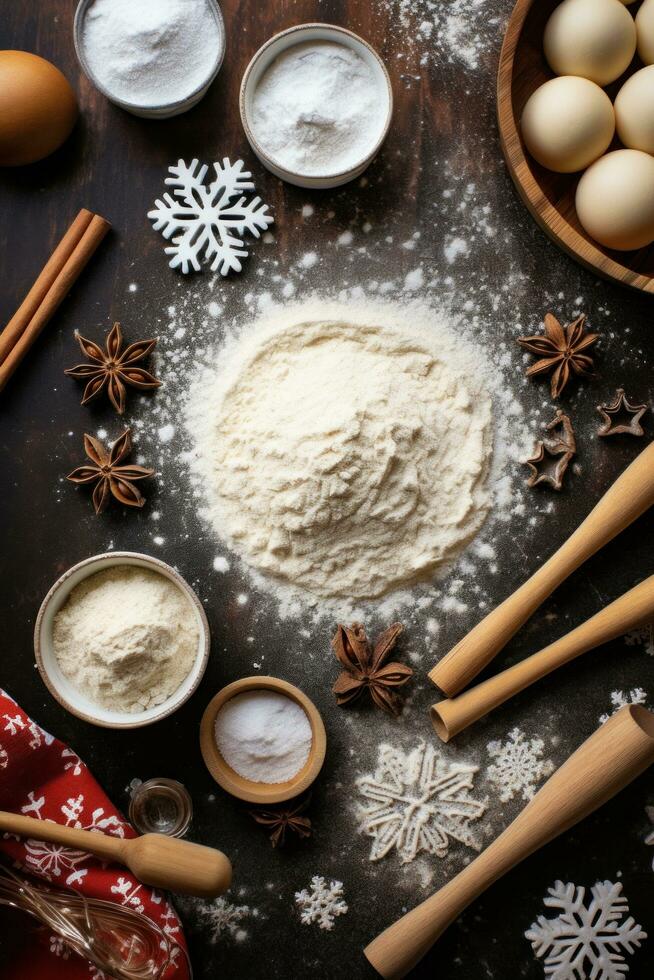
x,y
633,609
629,497
157,860
606,762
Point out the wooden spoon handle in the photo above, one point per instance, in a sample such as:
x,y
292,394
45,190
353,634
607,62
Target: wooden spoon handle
x,y
155,859
629,497
633,609
101,845
611,758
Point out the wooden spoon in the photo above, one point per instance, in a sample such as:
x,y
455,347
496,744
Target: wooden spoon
x,y
629,497
633,609
611,758
156,860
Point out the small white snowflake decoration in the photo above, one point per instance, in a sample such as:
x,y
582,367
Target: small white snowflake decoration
x,y
585,941
518,765
203,221
620,699
417,802
321,903
642,637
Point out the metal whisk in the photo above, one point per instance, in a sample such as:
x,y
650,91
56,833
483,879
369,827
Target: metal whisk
x,y
121,943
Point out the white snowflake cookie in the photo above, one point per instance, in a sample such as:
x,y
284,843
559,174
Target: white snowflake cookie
x,y
321,903
417,802
202,221
585,941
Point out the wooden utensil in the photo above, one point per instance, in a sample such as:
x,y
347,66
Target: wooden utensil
x,y
156,860
629,497
550,197
633,609
611,758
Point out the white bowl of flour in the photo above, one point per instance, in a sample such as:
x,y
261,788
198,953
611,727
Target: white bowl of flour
x,y
121,640
316,104
153,58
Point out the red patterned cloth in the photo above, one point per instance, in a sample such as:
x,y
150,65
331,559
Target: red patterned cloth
x,y
42,778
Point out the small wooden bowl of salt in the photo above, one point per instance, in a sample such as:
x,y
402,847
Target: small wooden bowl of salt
x,y
263,740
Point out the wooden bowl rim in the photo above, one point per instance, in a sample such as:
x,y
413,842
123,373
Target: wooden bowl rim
x,y
245,789
583,250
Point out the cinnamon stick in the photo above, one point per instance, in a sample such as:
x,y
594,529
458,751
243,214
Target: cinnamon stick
x,y
13,330
93,234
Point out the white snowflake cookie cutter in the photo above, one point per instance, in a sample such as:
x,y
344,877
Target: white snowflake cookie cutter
x,y
202,221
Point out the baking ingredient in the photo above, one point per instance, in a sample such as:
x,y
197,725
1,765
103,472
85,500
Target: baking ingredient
x,y
337,485
113,368
109,474
318,109
151,53
282,819
205,219
366,667
585,940
38,108
553,455
645,32
592,38
561,350
615,200
621,417
126,637
634,111
264,736
568,123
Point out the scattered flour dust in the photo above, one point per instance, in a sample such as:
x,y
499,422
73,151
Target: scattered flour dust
x,y
349,450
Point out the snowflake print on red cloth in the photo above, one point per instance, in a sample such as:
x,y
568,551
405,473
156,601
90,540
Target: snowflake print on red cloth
x,y
43,778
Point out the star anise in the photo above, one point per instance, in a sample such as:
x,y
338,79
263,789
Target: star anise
x,y
365,667
110,478
281,819
552,455
113,368
620,416
561,350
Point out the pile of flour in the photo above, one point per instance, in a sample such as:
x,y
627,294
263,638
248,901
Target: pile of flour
x,y
343,451
126,638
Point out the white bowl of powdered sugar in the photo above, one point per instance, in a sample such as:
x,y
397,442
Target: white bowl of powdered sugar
x,y
121,640
316,104
154,58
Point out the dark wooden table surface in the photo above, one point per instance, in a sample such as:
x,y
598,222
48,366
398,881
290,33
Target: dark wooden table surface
x,y
439,174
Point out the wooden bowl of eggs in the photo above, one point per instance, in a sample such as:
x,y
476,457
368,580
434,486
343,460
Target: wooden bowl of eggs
x,y
576,118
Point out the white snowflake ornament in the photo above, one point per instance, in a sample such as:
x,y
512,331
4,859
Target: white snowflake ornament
x,y
417,802
321,903
620,699
203,221
518,765
585,941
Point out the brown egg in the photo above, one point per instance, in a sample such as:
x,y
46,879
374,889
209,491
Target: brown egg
x,y
37,108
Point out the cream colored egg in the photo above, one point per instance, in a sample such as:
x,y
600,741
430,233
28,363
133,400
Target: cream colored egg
x,y
634,111
568,123
592,38
615,200
645,31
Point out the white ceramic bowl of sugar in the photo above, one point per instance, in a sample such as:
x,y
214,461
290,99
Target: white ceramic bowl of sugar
x,y
262,61
168,109
64,691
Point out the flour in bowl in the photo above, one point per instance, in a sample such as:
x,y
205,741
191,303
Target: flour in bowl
x,y
126,637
